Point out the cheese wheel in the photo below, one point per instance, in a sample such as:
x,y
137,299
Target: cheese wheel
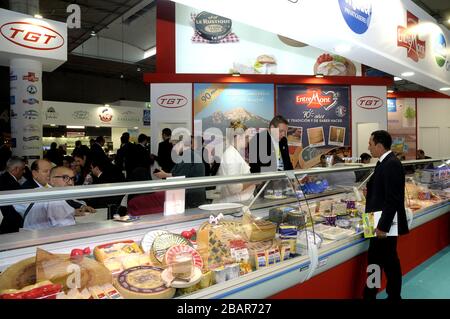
x,y
143,282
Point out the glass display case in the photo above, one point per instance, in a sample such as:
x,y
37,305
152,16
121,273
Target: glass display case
x,y
293,226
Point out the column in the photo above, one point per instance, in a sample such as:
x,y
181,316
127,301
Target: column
x,y
25,107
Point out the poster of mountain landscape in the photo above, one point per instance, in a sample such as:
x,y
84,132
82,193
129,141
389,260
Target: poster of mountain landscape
x,y
217,104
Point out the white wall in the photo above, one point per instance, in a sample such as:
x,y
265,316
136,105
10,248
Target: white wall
x,y
433,121
179,117
365,120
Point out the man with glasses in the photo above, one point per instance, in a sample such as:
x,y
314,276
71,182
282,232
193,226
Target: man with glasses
x,y
9,180
55,213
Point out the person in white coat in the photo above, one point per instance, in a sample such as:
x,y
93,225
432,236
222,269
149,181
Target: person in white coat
x,y
233,163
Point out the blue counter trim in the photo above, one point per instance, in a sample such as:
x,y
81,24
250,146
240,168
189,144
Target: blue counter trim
x,y
297,267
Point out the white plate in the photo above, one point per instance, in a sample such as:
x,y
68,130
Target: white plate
x,y
148,239
166,276
221,206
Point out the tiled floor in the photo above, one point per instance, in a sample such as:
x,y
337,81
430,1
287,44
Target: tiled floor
x,y
430,280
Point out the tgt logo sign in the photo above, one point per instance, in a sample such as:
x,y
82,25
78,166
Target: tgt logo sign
x,y
369,102
172,101
32,36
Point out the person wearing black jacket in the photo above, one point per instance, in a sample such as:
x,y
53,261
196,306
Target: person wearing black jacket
x,y
97,151
165,151
386,193
12,220
105,173
142,154
268,152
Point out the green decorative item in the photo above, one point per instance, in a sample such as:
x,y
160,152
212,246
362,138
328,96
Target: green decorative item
x,y
410,113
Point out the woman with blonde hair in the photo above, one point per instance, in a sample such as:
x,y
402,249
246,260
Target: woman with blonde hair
x,y
233,163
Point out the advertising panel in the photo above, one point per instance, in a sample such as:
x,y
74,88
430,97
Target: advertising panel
x,y
25,108
319,121
209,43
216,105
66,113
391,36
402,127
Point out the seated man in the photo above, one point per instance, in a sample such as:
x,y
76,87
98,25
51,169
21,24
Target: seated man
x,y
40,170
54,213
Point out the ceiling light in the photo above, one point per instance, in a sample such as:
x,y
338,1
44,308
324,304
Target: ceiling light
x,y
390,91
38,16
107,105
93,33
139,69
236,74
52,125
136,128
342,48
150,52
444,89
75,126
97,126
121,76
319,75
396,78
406,74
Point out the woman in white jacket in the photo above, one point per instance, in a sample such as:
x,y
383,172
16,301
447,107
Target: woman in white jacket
x,y
233,163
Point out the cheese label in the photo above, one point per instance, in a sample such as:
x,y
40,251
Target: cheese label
x,y
142,279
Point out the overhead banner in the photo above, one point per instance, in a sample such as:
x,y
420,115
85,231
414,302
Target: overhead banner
x,y
208,43
23,36
319,121
66,113
171,107
402,127
390,35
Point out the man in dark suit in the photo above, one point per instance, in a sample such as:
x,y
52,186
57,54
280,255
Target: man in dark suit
x,y
40,170
142,154
97,151
268,150
386,193
12,220
165,151
105,173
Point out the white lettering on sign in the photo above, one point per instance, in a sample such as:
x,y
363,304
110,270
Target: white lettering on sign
x,y
32,36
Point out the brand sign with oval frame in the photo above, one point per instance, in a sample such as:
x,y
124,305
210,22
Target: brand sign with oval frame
x,y
172,101
32,36
369,102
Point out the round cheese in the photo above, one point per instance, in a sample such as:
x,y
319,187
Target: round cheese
x,y
143,282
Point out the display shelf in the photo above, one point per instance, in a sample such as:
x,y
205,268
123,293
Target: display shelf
x,y
260,283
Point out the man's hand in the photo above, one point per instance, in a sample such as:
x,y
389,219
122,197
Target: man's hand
x,y
79,213
161,174
380,233
87,209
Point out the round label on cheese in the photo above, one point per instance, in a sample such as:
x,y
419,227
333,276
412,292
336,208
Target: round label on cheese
x,y
212,27
143,282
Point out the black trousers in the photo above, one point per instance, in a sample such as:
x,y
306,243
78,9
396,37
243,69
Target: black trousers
x,y
383,252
